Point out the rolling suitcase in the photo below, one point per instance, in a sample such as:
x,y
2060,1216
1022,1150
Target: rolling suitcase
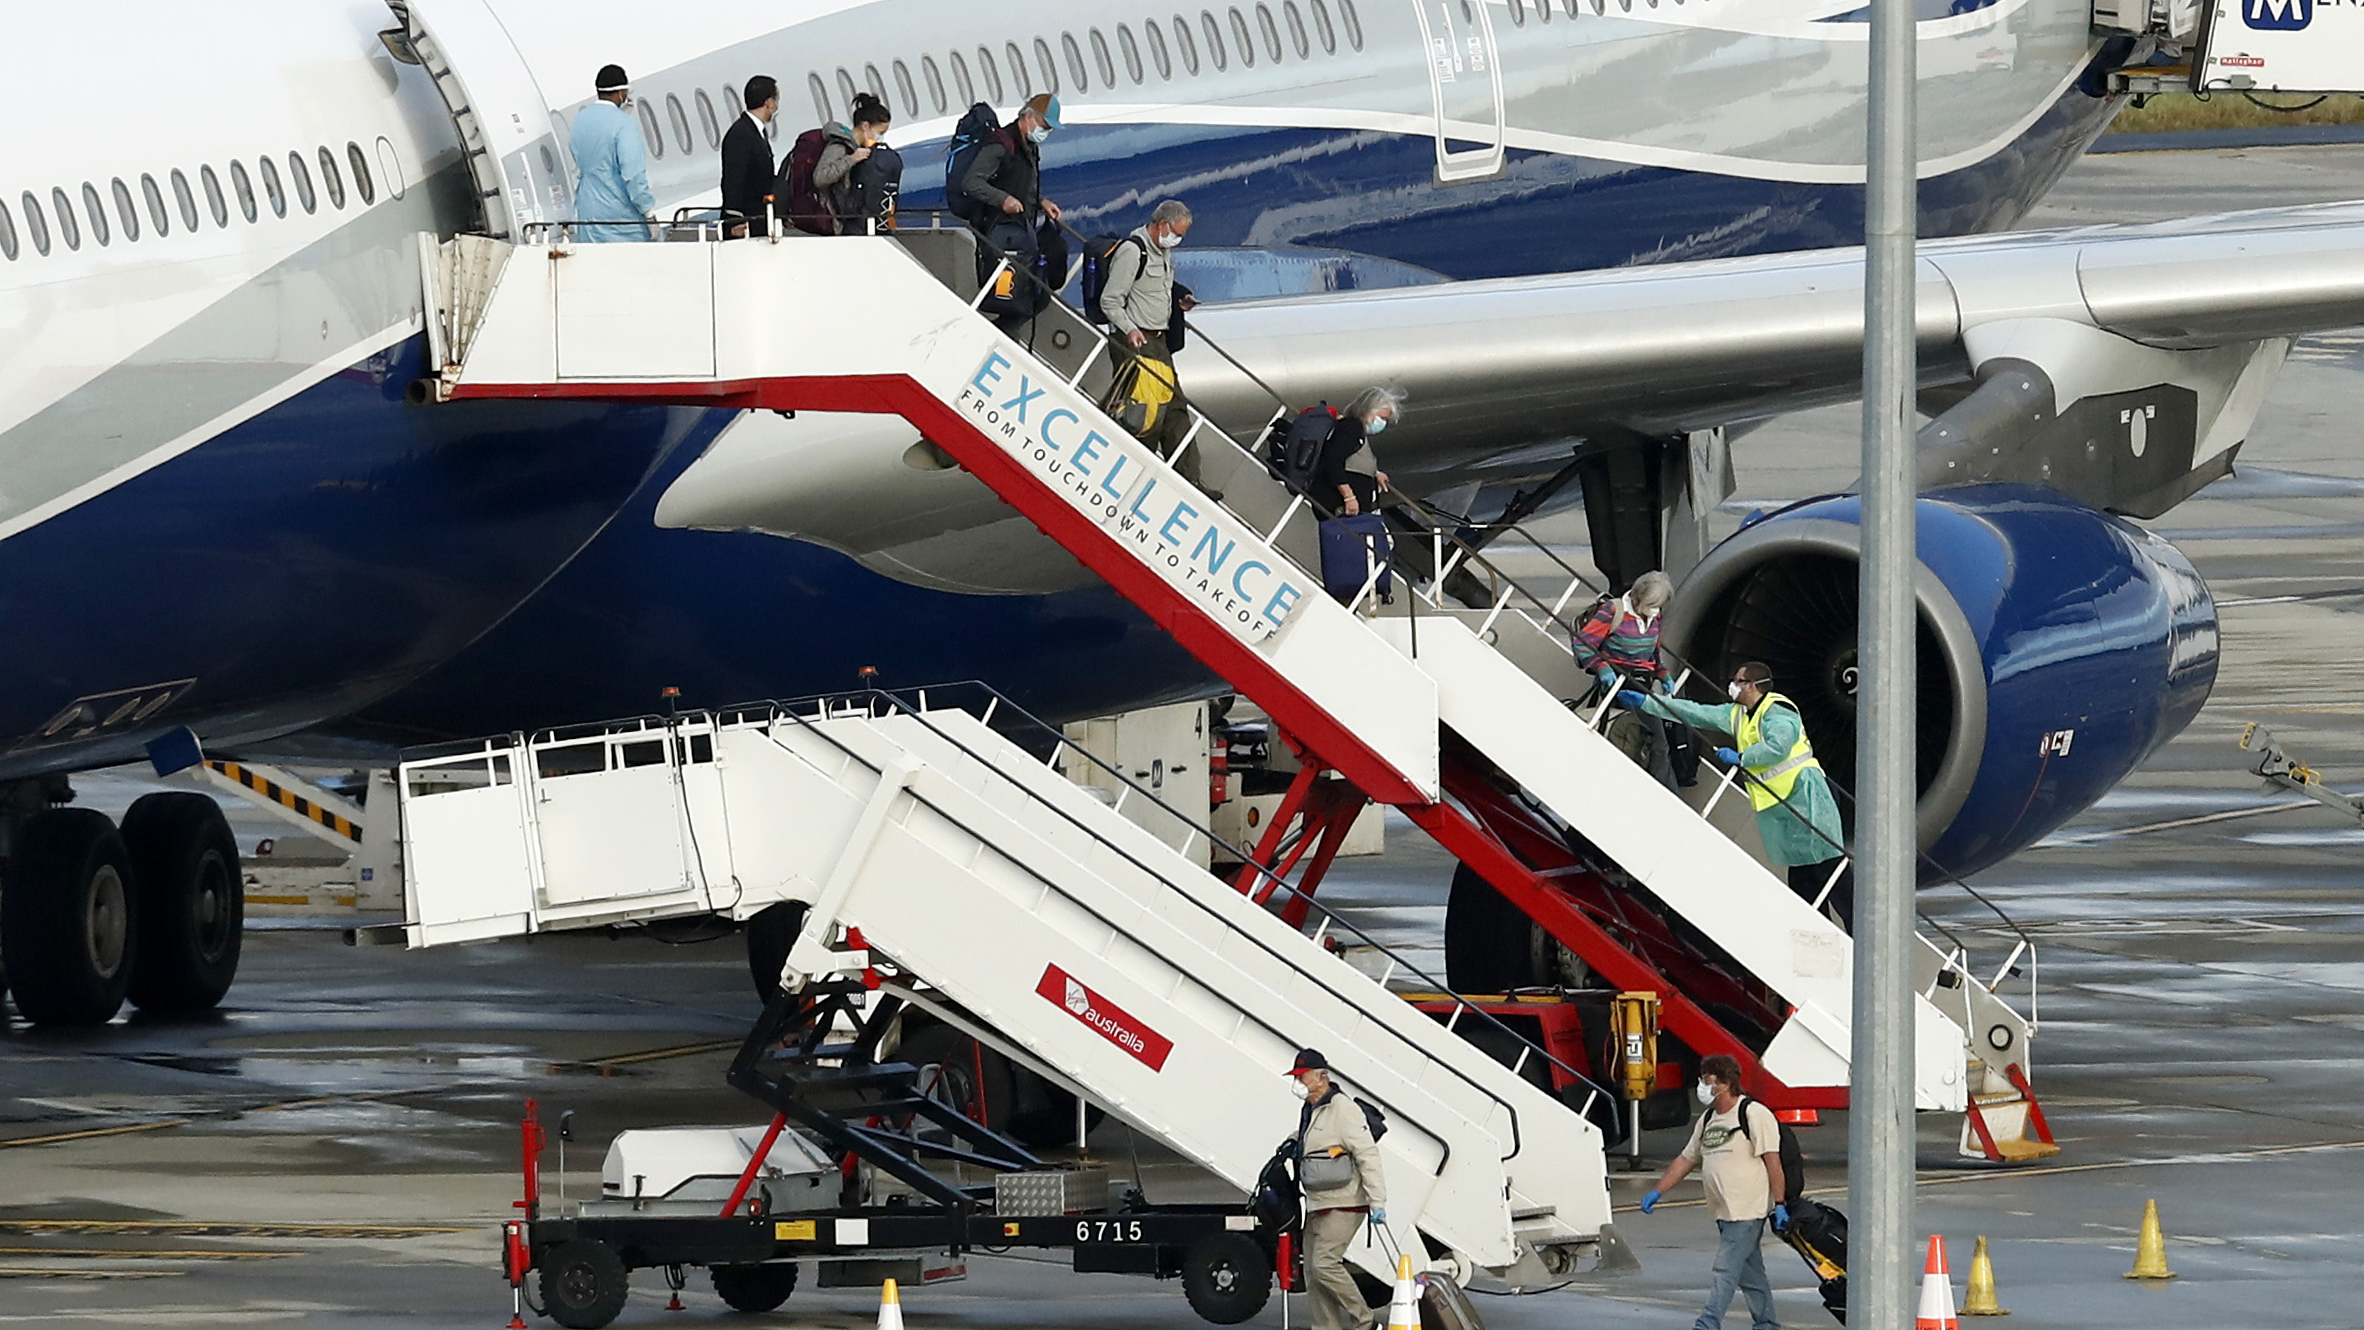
x,y
1819,1234
1351,547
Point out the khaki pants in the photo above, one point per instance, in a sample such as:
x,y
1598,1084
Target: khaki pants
x,y
1337,1302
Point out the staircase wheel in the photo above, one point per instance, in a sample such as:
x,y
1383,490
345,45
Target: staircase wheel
x,y
754,1288
584,1283
1226,1277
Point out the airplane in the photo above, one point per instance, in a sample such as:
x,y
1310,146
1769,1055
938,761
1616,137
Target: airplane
x,y
225,508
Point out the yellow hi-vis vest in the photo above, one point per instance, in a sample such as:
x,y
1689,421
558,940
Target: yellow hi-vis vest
x,y
1773,783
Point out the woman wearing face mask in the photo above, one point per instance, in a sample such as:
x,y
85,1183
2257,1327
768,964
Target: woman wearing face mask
x,y
1617,644
844,149
1348,477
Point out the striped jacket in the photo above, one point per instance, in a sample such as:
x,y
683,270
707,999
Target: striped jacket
x,y
1616,636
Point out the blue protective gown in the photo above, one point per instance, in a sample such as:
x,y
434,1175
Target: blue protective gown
x,y
611,165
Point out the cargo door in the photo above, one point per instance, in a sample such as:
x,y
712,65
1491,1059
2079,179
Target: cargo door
x,y
1465,83
516,157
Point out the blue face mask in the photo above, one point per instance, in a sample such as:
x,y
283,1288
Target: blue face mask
x,y
1377,426
1039,133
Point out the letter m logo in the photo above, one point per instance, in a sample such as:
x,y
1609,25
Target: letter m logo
x,y
2277,15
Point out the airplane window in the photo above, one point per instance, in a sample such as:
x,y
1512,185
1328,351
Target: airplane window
x,y
820,93
296,171
991,74
1184,44
904,86
1518,12
243,187
1100,58
7,234
188,201
1321,25
680,119
1239,34
706,121
1075,64
155,197
68,229
1354,23
649,133
368,189
126,211
1050,67
935,79
97,208
1272,44
214,202
1214,31
1157,49
845,86
1297,30
1124,40
960,77
34,224
272,190
1018,74
727,105
331,177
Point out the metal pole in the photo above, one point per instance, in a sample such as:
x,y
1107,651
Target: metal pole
x,y
1880,1095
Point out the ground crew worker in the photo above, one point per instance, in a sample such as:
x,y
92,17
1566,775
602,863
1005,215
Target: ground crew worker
x,y
1338,1171
1139,300
1744,1183
1796,814
611,165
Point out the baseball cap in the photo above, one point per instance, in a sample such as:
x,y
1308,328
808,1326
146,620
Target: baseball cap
x,y
1045,105
1308,1060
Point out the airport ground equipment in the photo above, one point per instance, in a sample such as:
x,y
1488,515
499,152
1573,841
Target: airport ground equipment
x,y
1451,714
2279,766
935,851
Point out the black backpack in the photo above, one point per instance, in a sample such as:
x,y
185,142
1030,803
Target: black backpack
x,y
1375,1117
1099,252
978,124
1793,1159
1296,454
871,191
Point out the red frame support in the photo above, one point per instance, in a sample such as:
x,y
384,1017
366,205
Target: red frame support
x,y
530,1142
763,1151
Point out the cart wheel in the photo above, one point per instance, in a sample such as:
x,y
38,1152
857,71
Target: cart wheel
x,y
583,1284
1227,1278
754,1288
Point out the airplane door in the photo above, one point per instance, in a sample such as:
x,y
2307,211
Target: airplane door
x,y
516,154
1465,83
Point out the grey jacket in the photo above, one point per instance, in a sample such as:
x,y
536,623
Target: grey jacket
x,y
1338,1126
1139,294
830,171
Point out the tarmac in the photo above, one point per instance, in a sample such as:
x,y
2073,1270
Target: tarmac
x,y
337,1145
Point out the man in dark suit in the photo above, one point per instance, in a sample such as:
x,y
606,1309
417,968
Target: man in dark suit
x,y
747,160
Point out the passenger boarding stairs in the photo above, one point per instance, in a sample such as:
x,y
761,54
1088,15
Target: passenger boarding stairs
x,y
1454,717
925,841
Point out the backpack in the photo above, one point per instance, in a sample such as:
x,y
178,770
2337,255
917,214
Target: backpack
x,y
871,190
1296,454
1376,1118
1793,1159
1099,252
978,124
799,198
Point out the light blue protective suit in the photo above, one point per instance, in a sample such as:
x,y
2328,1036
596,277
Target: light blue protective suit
x,y
611,164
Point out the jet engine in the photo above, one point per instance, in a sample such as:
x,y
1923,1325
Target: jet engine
x,y
2058,647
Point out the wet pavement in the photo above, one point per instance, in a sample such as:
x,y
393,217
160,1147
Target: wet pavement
x,y
336,1146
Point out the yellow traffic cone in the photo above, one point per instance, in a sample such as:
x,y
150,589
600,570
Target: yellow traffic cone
x,y
890,1308
2150,1250
1403,1310
1979,1298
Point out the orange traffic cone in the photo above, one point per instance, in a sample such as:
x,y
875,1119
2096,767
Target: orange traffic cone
x,y
1937,1291
1403,1310
890,1308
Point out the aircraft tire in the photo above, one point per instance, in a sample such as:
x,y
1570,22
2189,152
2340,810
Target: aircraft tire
x,y
1488,946
192,902
69,918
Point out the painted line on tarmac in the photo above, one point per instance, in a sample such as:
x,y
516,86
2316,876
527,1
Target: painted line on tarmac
x,y
94,1132
2090,837
203,1228
47,1272
144,1254
660,1054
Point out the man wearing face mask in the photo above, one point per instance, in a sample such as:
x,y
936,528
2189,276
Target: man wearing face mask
x,y
1740,1152
611,163
1338,1171
1140,300
1796,815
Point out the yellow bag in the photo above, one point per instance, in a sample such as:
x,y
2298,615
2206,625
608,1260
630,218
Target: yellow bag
x,y
1140,394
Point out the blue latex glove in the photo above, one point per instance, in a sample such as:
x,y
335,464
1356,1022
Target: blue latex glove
x,y
1607,676
1379,1214
1728,756
1781,1218
1630,700
1650,1200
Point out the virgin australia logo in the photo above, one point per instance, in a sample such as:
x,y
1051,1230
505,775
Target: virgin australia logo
x,y
1078,1001
2277,15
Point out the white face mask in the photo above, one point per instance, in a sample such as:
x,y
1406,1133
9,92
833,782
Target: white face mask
x,y
1168,240
1300,1089
1707,1094
1734,689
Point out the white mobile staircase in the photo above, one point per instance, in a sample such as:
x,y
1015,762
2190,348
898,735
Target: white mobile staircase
x,y
963,861
1426,711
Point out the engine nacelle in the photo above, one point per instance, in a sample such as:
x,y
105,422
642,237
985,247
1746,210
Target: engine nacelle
x,y
2058,647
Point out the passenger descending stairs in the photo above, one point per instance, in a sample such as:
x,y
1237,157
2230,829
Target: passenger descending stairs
x,y
1421,711
935,845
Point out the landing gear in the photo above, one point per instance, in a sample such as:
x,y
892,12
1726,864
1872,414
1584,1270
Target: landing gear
x,y
69,918
192,902
1491,946
754,1288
